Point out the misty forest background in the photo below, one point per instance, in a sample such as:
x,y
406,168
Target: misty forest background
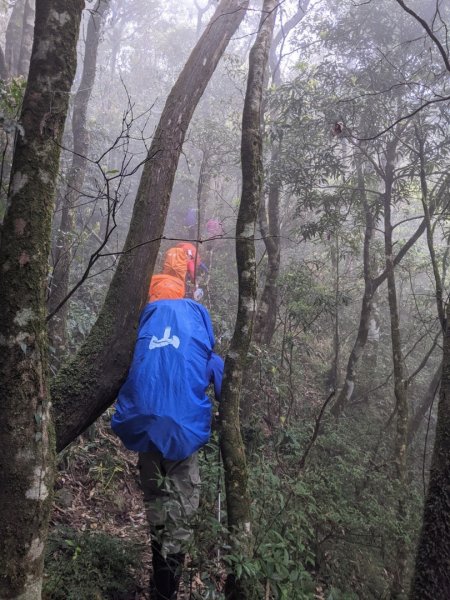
x,y
339,399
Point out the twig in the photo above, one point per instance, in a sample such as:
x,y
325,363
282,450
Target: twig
x,y
302,461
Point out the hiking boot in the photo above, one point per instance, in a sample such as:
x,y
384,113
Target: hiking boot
x,y
166,574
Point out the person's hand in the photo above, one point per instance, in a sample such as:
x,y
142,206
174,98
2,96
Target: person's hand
x,y
198,294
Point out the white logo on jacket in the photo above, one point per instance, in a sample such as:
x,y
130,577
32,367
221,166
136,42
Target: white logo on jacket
x,y
166,340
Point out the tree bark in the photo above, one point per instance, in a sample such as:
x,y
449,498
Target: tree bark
x,y
265,321
232,447
87,385
428,399
59,285
429,229
431,579
371,287
335,262
26,460
3,69
27,38
366,307
400,383
13,38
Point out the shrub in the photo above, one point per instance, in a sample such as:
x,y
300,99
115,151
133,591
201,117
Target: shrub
x,y
87,566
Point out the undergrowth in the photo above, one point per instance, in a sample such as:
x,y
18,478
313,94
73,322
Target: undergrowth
x,y
90,565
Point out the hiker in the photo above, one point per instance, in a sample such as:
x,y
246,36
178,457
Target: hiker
x,y
214,235
191,222
171,283
214,228
178,275
163,413
193,269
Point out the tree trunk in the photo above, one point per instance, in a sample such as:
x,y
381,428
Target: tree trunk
x,y
87,385
13,38
400,384
429,229
232,447
336,364
59,285
431,580
203,186
265,321
280,37
366,307
3,69
425,405
27,38
26,459
371,286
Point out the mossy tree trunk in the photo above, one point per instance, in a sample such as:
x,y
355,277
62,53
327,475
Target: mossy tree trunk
x,y
26,459
75,179
232,447
431,580
88,384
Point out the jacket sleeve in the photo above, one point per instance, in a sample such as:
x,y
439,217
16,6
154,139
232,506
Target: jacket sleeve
x,y
214,373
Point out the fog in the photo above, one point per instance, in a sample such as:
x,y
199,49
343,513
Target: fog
x,y
340,386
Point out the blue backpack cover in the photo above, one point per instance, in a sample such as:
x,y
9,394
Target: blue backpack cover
x,y
163,403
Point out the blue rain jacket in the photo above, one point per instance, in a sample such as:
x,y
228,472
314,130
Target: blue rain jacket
x,y
163,403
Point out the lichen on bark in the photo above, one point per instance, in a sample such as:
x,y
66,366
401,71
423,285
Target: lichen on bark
x,y
232,447
26,463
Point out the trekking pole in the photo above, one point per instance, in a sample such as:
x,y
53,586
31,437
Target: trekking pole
x,y
219,497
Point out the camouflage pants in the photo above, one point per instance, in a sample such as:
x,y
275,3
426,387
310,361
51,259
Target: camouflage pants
x,y
171,497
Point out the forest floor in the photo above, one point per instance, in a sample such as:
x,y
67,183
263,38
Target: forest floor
x,y
97,490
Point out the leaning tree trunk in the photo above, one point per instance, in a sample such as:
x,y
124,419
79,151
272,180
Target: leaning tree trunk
x,y
426,404
87,385
232,447
27,449
59,285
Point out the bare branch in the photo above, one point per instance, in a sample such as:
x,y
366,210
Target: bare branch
x,y
429,31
